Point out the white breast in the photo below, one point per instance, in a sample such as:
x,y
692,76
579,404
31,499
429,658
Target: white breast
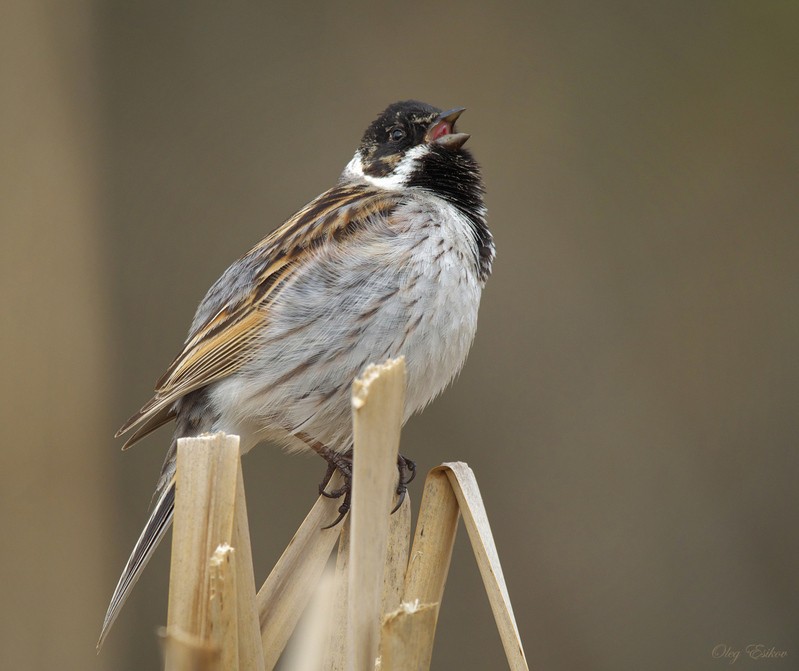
x,y
448,294
405,288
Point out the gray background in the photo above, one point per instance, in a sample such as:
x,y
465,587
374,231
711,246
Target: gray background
x,y
629,406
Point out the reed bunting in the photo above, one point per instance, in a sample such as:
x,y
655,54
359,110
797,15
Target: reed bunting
x,y
391,261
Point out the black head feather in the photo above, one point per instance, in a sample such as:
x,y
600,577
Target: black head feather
x,y
399,127
450,173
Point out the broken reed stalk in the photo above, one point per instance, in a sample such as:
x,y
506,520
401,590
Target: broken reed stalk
x,y
398,551
464,484
408,634
210,517
308,649
407,637
283,597
223,616
335,631
378,400
383,598
183,652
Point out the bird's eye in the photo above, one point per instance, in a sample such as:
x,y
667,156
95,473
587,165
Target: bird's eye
x,y
396,134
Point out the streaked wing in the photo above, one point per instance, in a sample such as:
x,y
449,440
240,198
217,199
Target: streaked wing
x,y
235,310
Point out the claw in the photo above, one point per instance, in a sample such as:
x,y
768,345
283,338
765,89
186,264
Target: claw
x,y
405,465
343,462
344,508
336,493
407,472
401,496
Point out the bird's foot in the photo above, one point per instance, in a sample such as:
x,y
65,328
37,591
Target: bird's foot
x,y
343,462
407,472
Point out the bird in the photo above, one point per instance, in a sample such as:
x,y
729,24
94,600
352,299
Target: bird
x,y
391,261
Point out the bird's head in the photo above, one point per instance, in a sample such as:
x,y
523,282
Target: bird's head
x,y
407,139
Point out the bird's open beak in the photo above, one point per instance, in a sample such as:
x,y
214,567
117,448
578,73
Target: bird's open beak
x,y
440,130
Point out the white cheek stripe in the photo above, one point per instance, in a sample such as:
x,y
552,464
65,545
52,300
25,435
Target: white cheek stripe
x,y
396,179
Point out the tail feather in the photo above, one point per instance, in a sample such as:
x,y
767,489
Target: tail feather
x,y
157,525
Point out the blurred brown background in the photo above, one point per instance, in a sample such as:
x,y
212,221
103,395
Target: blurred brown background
x,y
629,406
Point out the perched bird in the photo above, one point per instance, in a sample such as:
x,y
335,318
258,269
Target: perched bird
x,y
391,261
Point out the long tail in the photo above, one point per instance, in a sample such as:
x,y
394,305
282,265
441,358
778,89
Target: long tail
x,y
157,525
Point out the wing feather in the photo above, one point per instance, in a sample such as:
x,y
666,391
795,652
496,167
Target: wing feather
x,y
236,309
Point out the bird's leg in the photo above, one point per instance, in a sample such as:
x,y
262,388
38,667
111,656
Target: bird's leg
x,y
343,462
335,460
407,472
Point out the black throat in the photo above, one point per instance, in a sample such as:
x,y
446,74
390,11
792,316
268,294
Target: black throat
x,y
455,177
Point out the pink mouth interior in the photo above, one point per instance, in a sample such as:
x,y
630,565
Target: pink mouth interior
x,y
440,130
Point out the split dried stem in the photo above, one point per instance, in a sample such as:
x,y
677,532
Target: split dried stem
x,y
378,400
384,598
212,589
285,593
